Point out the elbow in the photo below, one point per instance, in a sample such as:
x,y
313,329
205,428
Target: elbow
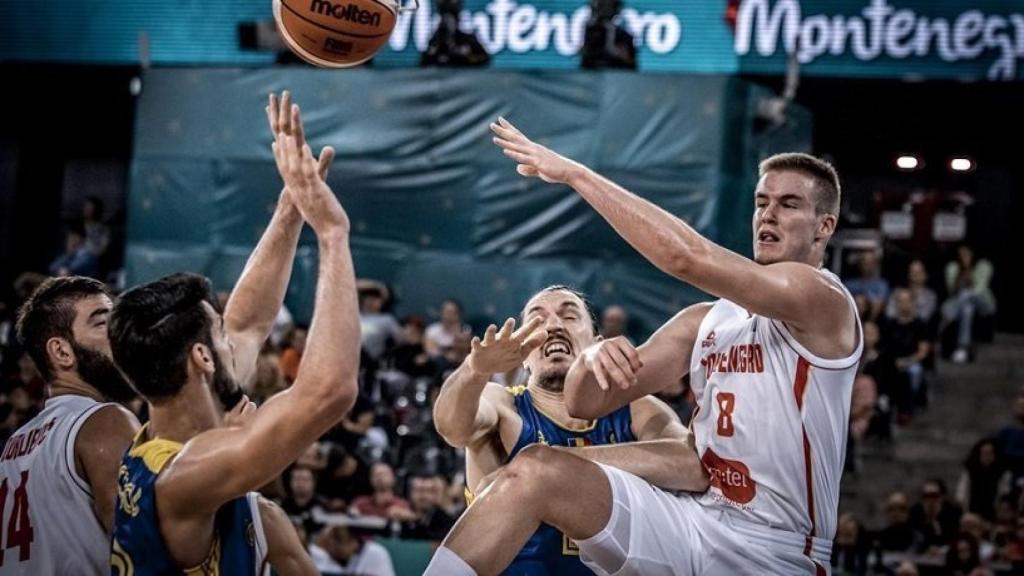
x,y
451,434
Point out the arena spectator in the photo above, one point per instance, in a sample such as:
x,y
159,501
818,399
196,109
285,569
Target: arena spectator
x,y
431,522
441,335
77,259
1010,444
870,284
383,503
303,503
614,321
380,330
345,478
882,371
862,410
963,556
934,518
980,479
352,430
898,535
924,297
410,357
967,284
292,354
976,526
905,340
338,552
850,548
97,232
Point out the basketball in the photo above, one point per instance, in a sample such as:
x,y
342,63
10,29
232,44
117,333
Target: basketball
x,y
335,33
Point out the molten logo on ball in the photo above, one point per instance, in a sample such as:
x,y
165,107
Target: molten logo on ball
x,y
350,12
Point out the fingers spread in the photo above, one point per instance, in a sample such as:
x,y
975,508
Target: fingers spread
x,y
535,339
489,334
526,329
506,329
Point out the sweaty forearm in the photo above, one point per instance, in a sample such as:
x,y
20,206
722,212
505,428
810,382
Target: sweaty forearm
x,y
669,463
457,405
260,289
583,397
666,241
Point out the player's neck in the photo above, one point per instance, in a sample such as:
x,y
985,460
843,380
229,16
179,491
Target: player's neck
x,y
186,415
552,404
68,384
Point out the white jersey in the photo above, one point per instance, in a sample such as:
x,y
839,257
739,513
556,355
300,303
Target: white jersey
x,y
47,522
772,421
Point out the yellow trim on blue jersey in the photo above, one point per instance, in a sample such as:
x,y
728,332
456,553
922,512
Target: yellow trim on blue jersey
x,y
210,566
518,390
468,494
588,428
155,453
120,562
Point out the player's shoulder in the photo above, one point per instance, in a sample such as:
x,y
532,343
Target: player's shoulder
x,y
502,396
109,425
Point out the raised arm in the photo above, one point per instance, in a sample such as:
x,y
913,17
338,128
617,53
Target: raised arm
x,y
664,453
605,377
225,463
794,293
260,290
462,414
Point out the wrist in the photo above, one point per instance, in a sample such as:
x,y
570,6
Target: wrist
x,y
475,374
332,238
576,174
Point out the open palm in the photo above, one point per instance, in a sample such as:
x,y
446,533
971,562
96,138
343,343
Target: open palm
x,y
534,160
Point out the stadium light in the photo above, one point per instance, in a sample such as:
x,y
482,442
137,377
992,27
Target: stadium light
x,y
961,165
907,163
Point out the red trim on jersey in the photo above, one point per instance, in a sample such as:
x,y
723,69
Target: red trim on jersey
x,y
800,384
799,388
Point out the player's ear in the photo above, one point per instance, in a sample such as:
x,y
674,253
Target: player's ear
x,y
61,354
202,357
826,227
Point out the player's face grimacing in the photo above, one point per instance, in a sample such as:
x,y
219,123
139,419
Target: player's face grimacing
x,y
786,223
570,330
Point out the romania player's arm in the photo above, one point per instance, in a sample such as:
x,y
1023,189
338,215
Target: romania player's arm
x,y
285,552
465,411
99,447
664,453
224,463
260,290
611,373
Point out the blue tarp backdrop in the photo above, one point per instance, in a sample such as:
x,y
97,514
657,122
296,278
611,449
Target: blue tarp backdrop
x,y
436,209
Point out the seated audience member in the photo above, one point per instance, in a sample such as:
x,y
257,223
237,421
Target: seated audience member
x,y
980,479
383,503
963,557
850,549
292,354
380,330
976,526
614,321
431,522
905,340
870,283
441,335
337,551
934,518
303,504
77,259
967,284
898,535
924,297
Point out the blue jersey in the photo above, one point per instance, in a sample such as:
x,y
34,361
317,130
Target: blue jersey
x,y
138,549
548,551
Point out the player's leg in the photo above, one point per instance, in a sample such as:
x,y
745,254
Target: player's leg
x,y
541,484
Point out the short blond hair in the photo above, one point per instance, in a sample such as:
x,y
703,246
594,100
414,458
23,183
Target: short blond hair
x,y
826,179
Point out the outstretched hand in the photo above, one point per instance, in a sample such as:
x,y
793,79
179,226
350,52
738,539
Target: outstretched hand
x,y
283,121
501,351
303,174
534,160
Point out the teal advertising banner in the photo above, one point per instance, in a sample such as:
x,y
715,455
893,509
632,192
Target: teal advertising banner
x,y
963,39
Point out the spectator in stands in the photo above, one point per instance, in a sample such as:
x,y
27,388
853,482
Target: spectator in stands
x,y
924,297
906,568
1013,549
77,259
963,556
979,482
1010,444
934,518
870,283
410,357
863,308
862,410
380,330
898,535
337,551
967,284
303,504
346,478
614,321
351,431
441,335
880,368
383,503
905,339
1004,527
850,549
426,494
268,380
97,233
976,526
292,354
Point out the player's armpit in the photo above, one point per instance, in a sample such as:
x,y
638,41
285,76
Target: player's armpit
x,y
285,552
